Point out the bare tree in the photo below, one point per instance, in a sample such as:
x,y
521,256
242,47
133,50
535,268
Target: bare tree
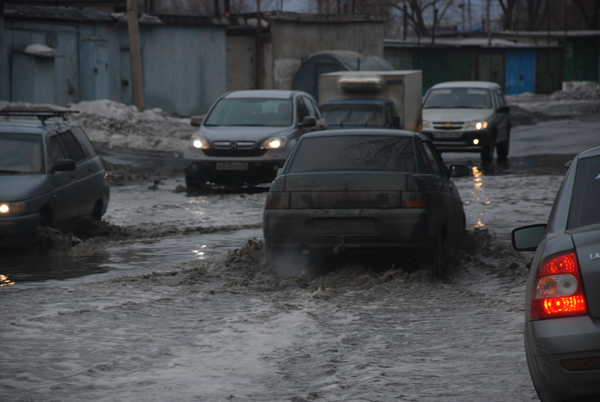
x,y
590,12
417,9
508,10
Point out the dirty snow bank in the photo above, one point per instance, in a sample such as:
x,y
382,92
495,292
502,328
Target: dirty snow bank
x,y
117,125
576,99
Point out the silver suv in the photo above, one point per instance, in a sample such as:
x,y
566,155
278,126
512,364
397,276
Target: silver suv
x,y
247,136
467,116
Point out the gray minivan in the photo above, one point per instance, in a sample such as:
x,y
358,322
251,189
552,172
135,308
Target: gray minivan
x,y
50,175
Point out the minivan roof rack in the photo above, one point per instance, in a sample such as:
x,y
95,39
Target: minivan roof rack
x,y
43,115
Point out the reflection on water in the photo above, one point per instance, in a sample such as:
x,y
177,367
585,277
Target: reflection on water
x,y
143,256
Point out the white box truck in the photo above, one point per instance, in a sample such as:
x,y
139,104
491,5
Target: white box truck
x,y
373,99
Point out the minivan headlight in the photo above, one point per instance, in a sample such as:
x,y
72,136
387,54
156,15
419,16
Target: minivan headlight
x,y
427,125
11,208
478,124
273,143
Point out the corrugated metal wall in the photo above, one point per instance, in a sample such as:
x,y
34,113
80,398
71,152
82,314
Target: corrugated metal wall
x,y
183,66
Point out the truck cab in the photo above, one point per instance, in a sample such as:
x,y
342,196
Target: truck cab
x,y
372,99
360,113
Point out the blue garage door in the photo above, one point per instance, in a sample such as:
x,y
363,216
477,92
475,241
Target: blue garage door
x,y
520,72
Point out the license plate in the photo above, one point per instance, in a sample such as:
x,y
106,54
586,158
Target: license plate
x,y
447,135
344,226
232,165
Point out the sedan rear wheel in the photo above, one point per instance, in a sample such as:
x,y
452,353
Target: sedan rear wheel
x,y
435,261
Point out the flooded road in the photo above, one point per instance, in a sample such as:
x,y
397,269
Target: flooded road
x,y
177,304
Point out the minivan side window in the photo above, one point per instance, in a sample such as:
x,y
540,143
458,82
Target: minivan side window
x,y
88,148
56,150
72,146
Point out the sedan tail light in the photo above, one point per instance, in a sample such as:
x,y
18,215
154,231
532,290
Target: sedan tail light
x,y
278,200
558,289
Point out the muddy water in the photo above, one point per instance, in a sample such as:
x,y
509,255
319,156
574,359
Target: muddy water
x,y
171,227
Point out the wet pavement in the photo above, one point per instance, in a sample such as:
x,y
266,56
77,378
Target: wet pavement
x,y
177,304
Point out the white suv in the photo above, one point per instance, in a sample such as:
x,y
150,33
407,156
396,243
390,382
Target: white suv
x,y
467,116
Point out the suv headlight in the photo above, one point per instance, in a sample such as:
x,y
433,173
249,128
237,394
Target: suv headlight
x,y
273,143
478,124
427,125
199,143
11,208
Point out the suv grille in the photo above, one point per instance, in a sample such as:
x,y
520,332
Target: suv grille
x,y
234,152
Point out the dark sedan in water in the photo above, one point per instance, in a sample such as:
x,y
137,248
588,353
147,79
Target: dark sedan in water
x,y
367,191
562,326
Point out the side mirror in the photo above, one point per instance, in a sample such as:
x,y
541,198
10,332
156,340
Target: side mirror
x,y
527,238
396,122
504,109
64,165
459,171
196,121
279,171
309,121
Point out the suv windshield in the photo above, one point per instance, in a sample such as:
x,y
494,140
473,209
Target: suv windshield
x,y
353,114
251,112
354,153
585,206
21,153
458,98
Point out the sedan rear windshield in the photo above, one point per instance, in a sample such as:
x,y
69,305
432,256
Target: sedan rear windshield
x,y
458,98
585,205
354,153
251,112
21,153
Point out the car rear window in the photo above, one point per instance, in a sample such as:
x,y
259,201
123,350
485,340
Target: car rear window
x,y
354,153
585,205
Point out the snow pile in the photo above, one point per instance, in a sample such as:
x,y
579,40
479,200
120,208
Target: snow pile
x,y
578,90
117,125
576,99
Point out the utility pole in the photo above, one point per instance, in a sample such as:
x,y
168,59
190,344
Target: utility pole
x,y
135,54
258,47
488,24
470,27
2,61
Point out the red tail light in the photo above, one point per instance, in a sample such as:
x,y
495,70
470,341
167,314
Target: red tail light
x,y
278,200
558,290
413,199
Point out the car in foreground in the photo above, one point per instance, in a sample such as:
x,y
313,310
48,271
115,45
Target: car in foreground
x,y
50,175
247,136
562,315
366,191
468,116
